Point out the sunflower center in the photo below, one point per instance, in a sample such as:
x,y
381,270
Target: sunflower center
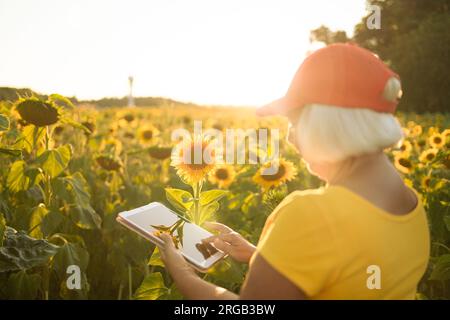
x,y
222,174
430,156
129,117
437,140
404,163
273,177
147,134
196,163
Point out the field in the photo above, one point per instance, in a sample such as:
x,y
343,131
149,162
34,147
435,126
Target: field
x,y
65,176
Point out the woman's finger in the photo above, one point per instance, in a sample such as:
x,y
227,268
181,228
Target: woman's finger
x,y
168,241
228,237
216,226
223,246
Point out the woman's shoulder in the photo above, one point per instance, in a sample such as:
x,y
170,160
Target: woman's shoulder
x,y
311,197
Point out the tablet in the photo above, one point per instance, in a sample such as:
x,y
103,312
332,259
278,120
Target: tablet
x,y
150,219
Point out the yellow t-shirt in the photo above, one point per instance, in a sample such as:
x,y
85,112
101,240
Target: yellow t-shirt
x,y
325,240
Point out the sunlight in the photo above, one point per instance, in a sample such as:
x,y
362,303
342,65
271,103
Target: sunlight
x,y
197,51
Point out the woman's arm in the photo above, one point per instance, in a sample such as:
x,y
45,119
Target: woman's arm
x,y
262,281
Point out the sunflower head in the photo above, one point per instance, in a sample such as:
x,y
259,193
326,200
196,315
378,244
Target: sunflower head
x,y
437,140
58,130
194,158
129,117
416,130
147,134
90,126
37,112
405,146
403,163
426,182
160,153
222,176
267,179
109,163
428,155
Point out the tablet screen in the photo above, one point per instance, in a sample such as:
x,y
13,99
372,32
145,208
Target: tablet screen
x,y
187,236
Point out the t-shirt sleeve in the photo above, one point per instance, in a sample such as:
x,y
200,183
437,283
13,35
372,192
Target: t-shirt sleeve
x,y
299,244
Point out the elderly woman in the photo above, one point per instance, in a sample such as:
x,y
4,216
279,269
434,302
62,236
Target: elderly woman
x,y
362,236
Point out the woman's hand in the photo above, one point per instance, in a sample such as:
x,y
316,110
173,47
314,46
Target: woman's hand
x,y
174,261
230,242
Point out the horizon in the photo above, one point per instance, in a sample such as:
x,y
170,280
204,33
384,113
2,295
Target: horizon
x,y
196,52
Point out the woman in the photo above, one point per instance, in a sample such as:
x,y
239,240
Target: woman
x,y
364,235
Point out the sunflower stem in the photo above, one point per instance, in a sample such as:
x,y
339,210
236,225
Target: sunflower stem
x,y
197,189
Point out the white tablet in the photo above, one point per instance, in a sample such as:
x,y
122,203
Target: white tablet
x,y
154,217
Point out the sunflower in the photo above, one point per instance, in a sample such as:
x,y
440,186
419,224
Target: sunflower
x,y
90,126
160,152
286,172
128,119
147,134
425,182
223,176
37,112
109,163
190,160
416,130
402,163
405,147
446,133
428,155
437,140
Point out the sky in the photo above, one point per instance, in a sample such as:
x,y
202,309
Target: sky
x,y
229,52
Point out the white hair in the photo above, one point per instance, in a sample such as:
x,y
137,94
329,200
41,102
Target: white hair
x,y
327,133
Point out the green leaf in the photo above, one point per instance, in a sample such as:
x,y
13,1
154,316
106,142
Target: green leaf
x,y
61,101
4,122
31,136
74,190
180,199
70,254
23,286
206,212
180,233
211,195
2,228
447,222
151,288
11,152
55,161
228,271
51,222
22,178
37,215
17,180
85,217
155,259
20,251
73,123
441,270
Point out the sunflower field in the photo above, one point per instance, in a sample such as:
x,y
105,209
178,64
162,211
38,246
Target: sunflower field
x,y
66,171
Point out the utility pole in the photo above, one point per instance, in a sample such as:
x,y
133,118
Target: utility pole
x,y
130,93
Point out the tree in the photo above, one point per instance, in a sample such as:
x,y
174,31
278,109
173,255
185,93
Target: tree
x,y
414,40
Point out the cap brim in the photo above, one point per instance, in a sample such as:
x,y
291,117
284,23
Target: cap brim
x,y
280,106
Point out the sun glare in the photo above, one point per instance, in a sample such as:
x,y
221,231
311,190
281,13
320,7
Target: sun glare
x,y
227,52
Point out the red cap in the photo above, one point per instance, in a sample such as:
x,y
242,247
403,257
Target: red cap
x,y
342,75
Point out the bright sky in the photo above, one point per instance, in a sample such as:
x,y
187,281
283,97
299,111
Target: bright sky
x,y
241,52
